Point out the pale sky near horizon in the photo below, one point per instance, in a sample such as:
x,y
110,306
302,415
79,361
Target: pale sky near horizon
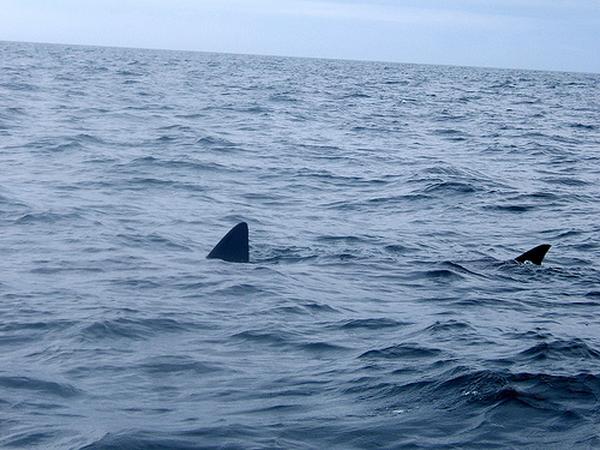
x,y
529,34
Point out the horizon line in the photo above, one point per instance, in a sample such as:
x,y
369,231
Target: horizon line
x,y
323,58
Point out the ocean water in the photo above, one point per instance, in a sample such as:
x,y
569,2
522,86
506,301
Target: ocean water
x,y
380,308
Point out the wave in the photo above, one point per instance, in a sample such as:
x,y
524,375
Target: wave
x,y
43,387
236,436
163,365
132,329
371,324
447,187
47,217
402,351
559,350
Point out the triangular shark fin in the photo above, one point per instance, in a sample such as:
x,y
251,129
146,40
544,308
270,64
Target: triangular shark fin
x,y
535,255
234,245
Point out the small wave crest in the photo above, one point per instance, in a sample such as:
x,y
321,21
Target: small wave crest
x,y
132,329
41,386
402,351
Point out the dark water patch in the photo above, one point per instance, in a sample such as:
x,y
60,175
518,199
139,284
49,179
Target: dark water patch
x,y
214,141
99,161
87,138
44,387
15,111
398,249
177,165
402,351
275,337
560,350
344,256
235,436
451,134
177,128
282,408
526,272
566,181
132,329
450,188
397,82
285,311
371,324
96,110
512,208
62,147
436,275
283,97
141,441
17,339
129,73
322,347
528,202
563,233
462,269
241,290
190,116
545,390
169,365
582,126
536,334
319,308
449,327
47,217
166,139
538,396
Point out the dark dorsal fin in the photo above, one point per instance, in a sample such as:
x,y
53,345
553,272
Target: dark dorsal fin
x,y
234,246
535,255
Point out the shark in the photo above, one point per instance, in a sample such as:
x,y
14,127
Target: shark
x,y
235,247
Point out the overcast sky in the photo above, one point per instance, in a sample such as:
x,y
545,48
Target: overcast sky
x,y
537,34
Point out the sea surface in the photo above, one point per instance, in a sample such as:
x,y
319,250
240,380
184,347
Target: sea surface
x,y
381,307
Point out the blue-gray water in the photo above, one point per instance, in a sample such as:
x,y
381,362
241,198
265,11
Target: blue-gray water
x,y
379,309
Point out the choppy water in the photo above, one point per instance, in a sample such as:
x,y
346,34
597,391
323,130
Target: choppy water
x,y
379,310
